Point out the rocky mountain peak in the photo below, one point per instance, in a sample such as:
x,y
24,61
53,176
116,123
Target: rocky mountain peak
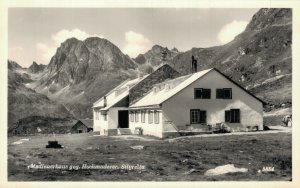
x,y
267,17
153,56
157,47
175,50
12,65
34,67
77,65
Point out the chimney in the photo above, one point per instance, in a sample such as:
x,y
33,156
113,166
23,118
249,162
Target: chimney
x,y
104,101
194,64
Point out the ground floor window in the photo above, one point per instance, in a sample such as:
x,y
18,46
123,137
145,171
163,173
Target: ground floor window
x,y
97,115
131,116
232,116
150,117
198,116
143,115
104,115
156,117
136,115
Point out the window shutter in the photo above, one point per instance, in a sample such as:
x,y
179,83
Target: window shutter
x,y
227,93
202,116
238,115
235,115
219,93
232,116
206,94
197,93
227,116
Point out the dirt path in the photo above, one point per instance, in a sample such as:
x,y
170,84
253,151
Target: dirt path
x,y
135,137
274,129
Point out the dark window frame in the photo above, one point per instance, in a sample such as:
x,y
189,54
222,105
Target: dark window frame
x,y
220,93
201,116
202,94
233,116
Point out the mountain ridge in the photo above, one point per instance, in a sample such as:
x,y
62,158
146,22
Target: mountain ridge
x,y
81,72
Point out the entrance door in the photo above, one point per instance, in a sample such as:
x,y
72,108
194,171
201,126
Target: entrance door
x,y
123,119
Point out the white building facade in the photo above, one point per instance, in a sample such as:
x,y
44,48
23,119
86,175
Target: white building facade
x,y
196,101
187,103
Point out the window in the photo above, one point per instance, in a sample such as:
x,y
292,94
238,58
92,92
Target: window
x,y
131,116
198,116
136,116
232,116
97,115
143,115
104,115
156,117
224,93
201,93
150,117
195,116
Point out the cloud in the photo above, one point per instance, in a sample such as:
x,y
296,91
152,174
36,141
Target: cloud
x,y
63,35
136,44
46,51
230,30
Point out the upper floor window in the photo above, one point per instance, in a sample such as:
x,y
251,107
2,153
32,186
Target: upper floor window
x,y
224,93
201,93
232,116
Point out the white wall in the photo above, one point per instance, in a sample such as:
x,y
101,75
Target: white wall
x,y
177,108
153,128
112,117
99,124
111,122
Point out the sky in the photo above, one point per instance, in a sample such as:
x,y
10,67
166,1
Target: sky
x,y
34,34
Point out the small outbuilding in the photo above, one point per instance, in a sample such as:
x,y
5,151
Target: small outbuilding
x,y
82,126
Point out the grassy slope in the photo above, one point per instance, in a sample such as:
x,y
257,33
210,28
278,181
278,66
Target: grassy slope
x,y
25,102
248,151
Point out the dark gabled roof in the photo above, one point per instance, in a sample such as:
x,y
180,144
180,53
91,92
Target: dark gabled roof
x,y
240,86
87,122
